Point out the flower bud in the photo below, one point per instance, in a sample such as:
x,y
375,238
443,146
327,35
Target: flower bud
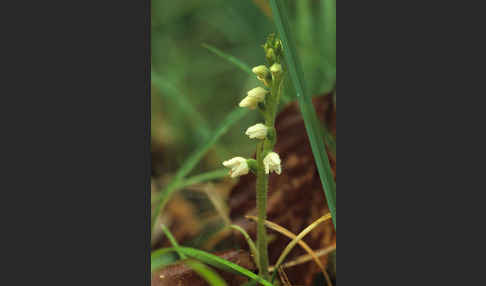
x,y
276,68
238,165
272,163
263,74
258,131
254,96
270,55
260,71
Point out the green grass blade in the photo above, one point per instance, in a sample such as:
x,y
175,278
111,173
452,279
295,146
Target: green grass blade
x,y
209,275
161,258
329,140
205,272
326,38
304,20
286,98
172,240
238,63
176,97
194,158
204,177
250,242
209,259
328,24
312,124
222,264
169,91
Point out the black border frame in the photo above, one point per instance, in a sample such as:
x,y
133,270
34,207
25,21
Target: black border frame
x,y
148,164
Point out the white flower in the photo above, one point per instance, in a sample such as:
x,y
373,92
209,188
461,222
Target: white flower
x,y
260,70
238,166
272,163
258,131
254,96
276,68
262,73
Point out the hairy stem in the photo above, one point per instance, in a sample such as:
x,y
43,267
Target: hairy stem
x,y
263,149
261,202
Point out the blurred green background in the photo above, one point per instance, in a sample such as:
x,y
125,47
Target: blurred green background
x,y
193,90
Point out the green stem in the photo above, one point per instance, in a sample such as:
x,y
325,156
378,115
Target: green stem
x,y
261,202
263,149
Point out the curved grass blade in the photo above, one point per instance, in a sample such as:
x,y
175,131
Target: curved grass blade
x,y
162,257
181,101
286,98
205,272
296,240
218,202
198,123
165,256
312,124
238,63
302,243
172,240
250,242
204,177
193,159
306,258
201,178
222,264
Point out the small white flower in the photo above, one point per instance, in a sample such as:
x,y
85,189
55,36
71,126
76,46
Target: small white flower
x,y
262,73
276,68
254,96
260,70
238,166
258,131
272,163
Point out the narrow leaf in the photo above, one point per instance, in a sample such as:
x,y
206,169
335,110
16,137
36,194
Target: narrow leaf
x,y
170,91
204,177
201,178
222,264
205,272
162,257
238,63
172,240
286,98
250,242
312,124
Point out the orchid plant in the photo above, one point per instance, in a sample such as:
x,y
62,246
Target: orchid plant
x,y
266,100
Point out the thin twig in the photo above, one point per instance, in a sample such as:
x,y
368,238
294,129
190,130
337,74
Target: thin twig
x,y
302,243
